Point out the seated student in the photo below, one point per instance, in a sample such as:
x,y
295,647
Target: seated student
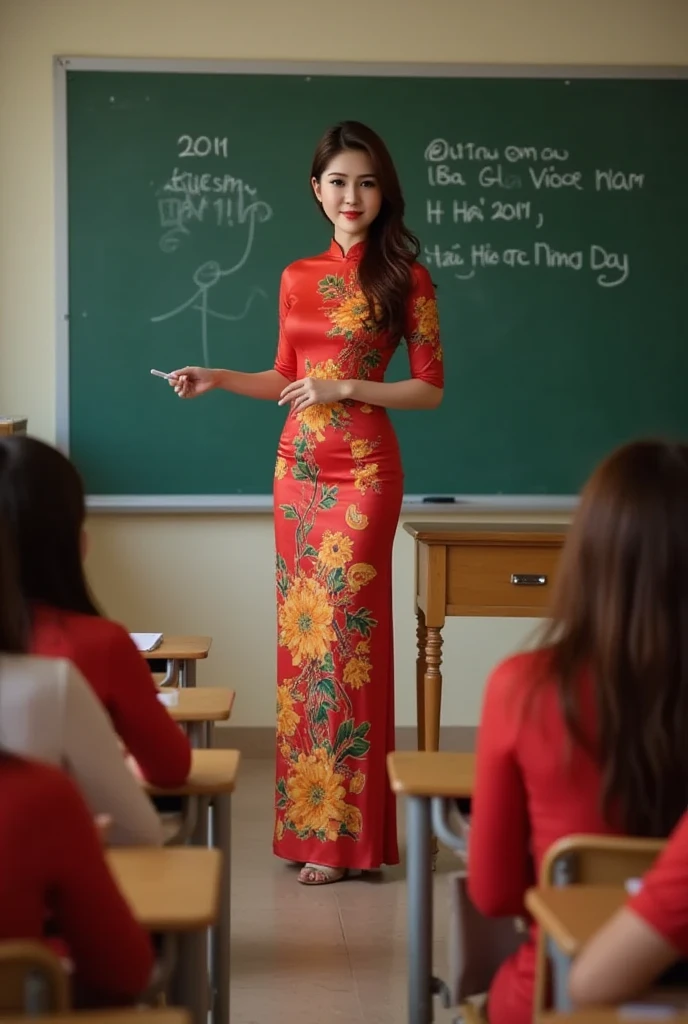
x,y
48,712
588,732
644,939
42,499
52,867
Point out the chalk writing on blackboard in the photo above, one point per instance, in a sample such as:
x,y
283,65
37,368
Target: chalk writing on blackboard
x,y
209,274
221,200
610,268
464,178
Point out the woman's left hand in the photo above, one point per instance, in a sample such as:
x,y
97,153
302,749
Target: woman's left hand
x,y
314,391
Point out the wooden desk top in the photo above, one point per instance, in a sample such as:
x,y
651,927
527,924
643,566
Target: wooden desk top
x,y
181,648
422,773
212,772
200,703
169,888
610,1016
547,534
573,913
166,1015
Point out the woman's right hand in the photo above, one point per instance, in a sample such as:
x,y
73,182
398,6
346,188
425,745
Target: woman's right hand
x,y
192,381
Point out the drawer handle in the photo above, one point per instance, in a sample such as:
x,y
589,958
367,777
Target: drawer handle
x,y
528,579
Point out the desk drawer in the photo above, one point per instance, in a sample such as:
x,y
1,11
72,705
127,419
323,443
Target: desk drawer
x,y
500,579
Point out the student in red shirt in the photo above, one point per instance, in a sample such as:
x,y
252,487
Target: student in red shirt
x,y
52,867
42,500
51,860
645,938
588,732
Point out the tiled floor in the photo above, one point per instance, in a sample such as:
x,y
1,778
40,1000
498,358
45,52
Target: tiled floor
x,y
321,955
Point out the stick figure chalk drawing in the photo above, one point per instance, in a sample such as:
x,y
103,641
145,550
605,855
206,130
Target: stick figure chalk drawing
x,y
209,274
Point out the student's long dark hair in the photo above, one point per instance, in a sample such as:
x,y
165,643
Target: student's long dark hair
x,y
13,619
384,271
42,502
620,610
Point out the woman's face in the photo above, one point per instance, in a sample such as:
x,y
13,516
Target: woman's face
x,y
350,195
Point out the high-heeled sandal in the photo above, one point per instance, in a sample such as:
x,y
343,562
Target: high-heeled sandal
x,y
321,874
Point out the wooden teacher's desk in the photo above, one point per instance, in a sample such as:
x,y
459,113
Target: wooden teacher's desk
x,y
488,569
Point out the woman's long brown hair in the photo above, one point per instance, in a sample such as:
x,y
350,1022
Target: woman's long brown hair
x,y
620,610
42,502
14,625
384,271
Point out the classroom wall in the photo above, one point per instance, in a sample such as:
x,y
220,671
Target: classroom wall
x,y
213,574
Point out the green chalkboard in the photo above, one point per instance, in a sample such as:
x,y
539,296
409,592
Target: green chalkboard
x,y
553,215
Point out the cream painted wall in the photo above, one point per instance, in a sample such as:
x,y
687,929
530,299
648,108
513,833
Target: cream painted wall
x,y
214,574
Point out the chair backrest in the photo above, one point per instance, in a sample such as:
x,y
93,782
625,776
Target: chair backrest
x,y
32,980
589,860
597,860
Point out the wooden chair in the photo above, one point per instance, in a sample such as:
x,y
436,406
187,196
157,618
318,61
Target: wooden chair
x,y
589,860
32,980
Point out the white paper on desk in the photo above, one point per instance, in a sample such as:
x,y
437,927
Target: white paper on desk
x,y
146,641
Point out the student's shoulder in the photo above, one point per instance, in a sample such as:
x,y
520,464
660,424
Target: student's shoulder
x,y
97,633
514,676
78,628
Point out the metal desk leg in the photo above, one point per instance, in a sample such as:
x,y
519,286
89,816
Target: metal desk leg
x,y
197,734
419,870
198,955
199,836
220,965
187,989
561,965
188,672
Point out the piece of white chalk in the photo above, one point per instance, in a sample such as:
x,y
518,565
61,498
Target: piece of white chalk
x,y
159,373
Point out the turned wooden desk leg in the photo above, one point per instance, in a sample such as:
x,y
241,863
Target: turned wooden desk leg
x,y
421,668
432,683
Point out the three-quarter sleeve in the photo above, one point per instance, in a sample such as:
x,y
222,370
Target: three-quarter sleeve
x,y
285,360
156,742
663,900
423,330
91,755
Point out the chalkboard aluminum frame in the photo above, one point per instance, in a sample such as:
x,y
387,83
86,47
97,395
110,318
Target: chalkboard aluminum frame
x,y
249,504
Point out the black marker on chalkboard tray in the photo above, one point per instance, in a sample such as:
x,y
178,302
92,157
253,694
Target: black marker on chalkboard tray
x,y
440,499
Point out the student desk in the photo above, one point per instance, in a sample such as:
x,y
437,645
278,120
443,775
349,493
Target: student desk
x,y
169,889
490,569
198,708
175,891
427,780
570,915
209,787
610,1016
181,654
167,1015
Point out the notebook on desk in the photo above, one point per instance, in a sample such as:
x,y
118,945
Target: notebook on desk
x,y
147,641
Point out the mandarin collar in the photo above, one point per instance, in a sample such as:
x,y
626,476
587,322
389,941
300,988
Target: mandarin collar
x,y
354,253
